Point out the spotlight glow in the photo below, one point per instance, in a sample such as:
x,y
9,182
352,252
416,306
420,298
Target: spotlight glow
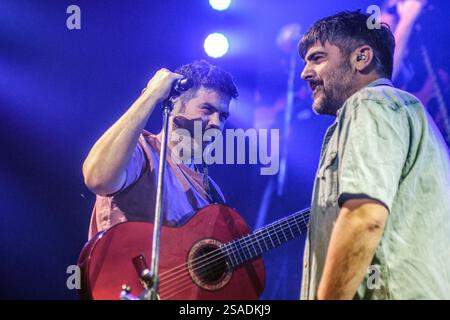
x,y
220,5
216,45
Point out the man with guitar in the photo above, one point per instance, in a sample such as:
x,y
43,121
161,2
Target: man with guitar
x,y
121,168
381,196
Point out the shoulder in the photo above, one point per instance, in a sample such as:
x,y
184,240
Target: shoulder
x,y
382,112
381,98
383,103
148,146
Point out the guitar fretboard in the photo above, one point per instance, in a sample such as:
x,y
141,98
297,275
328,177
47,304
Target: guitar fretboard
x,y
262,240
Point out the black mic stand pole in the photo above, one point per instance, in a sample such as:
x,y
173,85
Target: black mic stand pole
x,y
149,278
153,294
281,179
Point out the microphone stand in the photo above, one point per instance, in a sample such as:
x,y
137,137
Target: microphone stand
x,y
287,121
149,278
285,41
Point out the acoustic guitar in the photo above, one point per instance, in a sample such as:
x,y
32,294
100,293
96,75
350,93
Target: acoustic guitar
x,y
213,256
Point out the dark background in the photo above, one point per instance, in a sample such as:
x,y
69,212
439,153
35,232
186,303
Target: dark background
x,y
61,89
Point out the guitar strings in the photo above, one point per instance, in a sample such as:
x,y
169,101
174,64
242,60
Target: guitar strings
x,y
219,252
293,216
180,287
207,260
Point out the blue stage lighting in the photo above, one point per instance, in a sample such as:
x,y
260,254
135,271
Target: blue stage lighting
x,y
220,5
216,45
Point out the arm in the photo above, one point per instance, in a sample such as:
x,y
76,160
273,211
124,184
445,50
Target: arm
x,y
104,167
355,237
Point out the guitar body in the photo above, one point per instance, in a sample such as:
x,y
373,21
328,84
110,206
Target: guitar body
x,y
107,261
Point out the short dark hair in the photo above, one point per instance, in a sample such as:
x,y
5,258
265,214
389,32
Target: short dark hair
x,y
348,30
204,74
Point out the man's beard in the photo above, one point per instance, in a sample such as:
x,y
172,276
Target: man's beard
x,y
188,137
338,89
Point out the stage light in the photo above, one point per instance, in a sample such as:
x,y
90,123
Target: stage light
x,y
216,45
220,5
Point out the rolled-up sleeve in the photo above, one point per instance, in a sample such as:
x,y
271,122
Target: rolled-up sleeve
x,y
135,167
373,146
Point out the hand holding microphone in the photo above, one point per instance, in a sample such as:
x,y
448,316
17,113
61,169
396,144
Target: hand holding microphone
x,y
182,85
165,84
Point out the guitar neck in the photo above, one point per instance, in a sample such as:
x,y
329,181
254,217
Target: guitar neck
x,y
262,240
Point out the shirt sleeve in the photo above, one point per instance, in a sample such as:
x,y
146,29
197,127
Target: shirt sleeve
x,y
134,168
373,145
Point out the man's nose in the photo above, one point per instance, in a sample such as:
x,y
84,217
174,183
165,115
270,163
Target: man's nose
x,y
307,73
214,121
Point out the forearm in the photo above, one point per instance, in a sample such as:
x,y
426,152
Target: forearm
x,y
355,237
104,167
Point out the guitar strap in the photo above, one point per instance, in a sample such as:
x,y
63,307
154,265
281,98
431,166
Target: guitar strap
x,y
211,191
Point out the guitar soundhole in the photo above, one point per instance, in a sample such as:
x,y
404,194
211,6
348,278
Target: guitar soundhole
x,y
211,265
207,265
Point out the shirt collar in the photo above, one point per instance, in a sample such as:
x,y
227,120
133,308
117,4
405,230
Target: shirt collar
x,y
376,83
380,82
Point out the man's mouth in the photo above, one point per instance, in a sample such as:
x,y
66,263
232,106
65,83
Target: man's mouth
x,y
315,86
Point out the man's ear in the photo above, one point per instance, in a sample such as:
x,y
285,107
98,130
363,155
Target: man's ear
x,y
361,58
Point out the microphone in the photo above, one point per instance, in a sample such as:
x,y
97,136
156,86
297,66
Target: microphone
x,y
182,85
178,87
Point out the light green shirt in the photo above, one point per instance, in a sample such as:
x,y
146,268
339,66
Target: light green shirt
x,y
383,145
